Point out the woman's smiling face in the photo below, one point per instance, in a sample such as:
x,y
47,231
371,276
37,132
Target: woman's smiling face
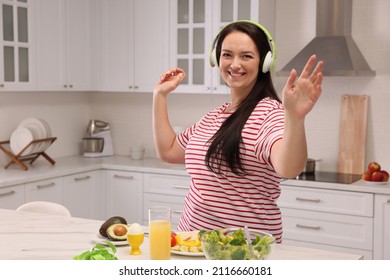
x,y
239,62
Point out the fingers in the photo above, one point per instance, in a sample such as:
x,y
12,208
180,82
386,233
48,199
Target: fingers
x,y
171,73
291,79
309,65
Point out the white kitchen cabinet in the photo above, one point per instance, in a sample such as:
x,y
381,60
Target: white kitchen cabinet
x,y
134,44
382,227
64,45
340,220
165,190
124,195
84,195
16,45
194,25
45,190
12,197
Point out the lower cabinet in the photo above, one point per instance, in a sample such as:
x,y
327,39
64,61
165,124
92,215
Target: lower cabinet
x,y
328,219
12,197
124,195
165,190
84,195
45,190
382,227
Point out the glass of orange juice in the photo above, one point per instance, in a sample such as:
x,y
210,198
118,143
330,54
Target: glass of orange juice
x,y
160,233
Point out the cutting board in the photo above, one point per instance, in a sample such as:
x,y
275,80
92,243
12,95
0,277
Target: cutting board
x,y
352,135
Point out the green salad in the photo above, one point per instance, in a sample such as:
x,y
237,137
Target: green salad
x,y
225,244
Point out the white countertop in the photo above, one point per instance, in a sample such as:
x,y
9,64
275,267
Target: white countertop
x,y
35,236
42,169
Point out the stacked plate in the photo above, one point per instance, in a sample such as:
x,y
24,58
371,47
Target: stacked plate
x,y
28,130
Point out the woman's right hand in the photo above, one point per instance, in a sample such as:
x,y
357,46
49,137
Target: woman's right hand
x,y
169,81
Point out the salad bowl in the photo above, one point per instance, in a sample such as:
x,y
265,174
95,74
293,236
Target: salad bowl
x,y
231,244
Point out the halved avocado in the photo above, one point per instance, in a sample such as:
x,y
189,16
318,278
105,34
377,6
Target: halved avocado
x,y
109,222
117,232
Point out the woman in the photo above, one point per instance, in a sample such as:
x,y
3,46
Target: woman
x,y
238,153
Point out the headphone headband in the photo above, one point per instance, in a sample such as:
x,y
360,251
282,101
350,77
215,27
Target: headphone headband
x,y
269,59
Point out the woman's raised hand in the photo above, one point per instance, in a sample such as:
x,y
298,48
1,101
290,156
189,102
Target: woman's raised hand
x,y
169,81
301,93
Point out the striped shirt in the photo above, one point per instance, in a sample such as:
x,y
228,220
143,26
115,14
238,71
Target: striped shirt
x,y
226,199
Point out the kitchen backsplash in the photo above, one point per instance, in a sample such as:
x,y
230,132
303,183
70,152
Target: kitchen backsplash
x,y
129,114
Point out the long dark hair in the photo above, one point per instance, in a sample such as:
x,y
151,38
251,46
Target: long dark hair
x,y
225,144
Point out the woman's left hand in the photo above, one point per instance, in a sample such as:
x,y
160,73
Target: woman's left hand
x,y
300,95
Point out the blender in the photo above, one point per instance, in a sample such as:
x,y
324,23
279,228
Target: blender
x,y
99,141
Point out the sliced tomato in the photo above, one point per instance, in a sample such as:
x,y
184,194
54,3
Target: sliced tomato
x,y
173,239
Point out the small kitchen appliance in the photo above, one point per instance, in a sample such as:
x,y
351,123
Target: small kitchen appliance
x,y
99,140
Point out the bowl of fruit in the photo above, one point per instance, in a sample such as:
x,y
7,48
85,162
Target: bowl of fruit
x,y
231,244
375,174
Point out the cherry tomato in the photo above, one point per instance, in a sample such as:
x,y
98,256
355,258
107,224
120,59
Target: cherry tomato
x,y
173,239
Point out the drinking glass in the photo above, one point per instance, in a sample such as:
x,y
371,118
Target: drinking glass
x,y
160,233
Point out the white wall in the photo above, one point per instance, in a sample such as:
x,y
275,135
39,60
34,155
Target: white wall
x,y
130,114
67,114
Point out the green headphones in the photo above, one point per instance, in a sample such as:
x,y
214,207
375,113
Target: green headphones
x,y
269,59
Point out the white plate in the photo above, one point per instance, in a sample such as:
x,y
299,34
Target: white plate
x,y
20,138
101,240
188,254
40,130
375,183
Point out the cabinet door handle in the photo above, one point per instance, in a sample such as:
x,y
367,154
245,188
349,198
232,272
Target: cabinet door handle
x,y
123,177
7,193
308,199
309,227
388,201
46,186
180,187
82,178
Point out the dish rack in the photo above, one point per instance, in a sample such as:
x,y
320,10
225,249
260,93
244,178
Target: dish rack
x,y
20,158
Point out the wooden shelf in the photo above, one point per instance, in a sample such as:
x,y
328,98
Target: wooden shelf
x,y
19,159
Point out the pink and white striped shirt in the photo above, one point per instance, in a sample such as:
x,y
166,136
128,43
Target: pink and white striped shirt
x,y
221,200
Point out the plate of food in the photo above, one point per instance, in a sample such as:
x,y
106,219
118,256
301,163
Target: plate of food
x,y
186,243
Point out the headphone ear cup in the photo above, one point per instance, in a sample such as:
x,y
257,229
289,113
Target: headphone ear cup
x,y
267,62
213,57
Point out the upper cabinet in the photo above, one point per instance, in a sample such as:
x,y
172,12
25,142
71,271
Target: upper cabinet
x,y
134,44
64,45
193,25
16,48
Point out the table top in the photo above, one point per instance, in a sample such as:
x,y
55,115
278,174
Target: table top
x,y
35,236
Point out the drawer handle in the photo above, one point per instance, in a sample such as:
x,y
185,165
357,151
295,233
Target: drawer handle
x,y
309,227
308,199
177,211
82,178
46,186
123,177
180,187
7,193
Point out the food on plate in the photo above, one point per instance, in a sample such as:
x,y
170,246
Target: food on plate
x,y
187,241
109,222
117,232
375,173
173,239
231,244
385,175
377,176
374,166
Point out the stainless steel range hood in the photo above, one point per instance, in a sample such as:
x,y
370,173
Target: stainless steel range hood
x,y
333,43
